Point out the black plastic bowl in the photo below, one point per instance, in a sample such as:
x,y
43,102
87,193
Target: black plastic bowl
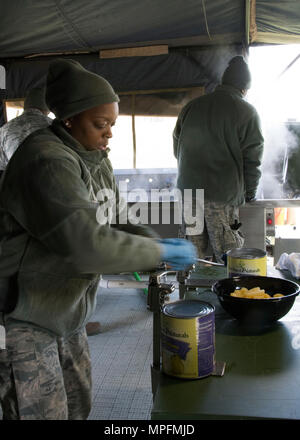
x,y
256,312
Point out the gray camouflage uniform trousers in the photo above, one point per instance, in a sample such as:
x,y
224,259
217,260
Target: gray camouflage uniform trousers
x,y
43,377
216,231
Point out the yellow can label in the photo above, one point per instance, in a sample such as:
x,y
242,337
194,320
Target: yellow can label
x,y
188,346
245,266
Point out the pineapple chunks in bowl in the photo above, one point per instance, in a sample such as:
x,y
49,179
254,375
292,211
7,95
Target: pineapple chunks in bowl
x,y
254,293
256,313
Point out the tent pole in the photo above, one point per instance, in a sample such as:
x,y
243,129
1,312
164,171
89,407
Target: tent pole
x,y
247,21
133,130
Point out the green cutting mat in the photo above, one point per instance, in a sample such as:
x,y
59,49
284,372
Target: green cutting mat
x,y
211,272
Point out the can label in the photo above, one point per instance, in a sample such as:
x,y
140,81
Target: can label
x,y
240,266
188,346
246,261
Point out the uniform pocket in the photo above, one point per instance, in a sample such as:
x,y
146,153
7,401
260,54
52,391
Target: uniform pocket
x,y
232,239
58,304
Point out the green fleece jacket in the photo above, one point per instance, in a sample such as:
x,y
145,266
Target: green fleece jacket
x,y
218,144
49,232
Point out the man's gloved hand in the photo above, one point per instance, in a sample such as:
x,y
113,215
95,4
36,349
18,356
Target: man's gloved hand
x,y
178,253
250,199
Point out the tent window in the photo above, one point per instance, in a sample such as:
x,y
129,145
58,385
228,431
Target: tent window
x,y
121,144
13,108
154,141
143,134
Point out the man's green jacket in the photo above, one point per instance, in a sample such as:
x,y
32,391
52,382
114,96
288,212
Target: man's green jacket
x,y
218,144
50,235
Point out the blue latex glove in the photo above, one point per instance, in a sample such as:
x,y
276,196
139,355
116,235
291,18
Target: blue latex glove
x,y
178,253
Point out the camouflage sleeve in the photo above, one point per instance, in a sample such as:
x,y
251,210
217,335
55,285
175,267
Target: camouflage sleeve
x,y
65,211
3,156
17,130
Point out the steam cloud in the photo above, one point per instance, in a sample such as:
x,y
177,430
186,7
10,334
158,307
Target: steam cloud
x,y
280,142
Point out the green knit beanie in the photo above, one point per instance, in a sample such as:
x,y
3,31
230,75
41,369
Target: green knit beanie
x,y
237,74
35,98
71,89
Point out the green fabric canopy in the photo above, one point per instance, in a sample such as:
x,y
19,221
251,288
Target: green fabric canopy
x,y
29,28
200,36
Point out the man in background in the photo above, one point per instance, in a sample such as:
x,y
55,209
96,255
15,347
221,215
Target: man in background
x,y
218,144
15,131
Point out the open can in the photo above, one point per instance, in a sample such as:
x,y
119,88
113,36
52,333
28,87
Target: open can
x,y
246,261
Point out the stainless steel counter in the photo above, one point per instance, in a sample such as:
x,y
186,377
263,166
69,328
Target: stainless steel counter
x,y
253,219
274,203
261,379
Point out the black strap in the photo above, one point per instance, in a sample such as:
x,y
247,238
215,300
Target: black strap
x,y
236,225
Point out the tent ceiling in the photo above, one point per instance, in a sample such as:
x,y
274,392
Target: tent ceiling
x,y
55,26
277,22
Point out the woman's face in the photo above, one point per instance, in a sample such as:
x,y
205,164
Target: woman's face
x,y
92,128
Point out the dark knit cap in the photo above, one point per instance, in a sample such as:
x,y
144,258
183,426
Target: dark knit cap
x,y
237,74
71,89
35,98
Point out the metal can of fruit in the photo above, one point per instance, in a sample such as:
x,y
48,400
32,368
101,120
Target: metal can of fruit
x,y
246,261
188,339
